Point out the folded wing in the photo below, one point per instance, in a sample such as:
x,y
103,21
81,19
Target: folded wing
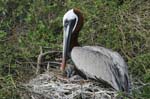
x,y
102,64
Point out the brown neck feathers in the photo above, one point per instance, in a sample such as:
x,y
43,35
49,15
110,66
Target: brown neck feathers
x,y
80,20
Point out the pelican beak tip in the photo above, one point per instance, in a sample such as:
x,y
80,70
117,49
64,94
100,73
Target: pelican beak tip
x,y
63,65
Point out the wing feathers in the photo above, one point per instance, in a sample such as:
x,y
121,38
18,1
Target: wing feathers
x,y
101,63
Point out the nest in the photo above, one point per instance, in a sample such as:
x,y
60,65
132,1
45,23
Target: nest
x,y
51,85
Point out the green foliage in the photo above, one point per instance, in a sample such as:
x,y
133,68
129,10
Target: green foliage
x,y
8,88
142,62
2,34
122,25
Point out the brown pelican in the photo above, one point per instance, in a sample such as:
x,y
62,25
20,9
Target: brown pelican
x,y
93,61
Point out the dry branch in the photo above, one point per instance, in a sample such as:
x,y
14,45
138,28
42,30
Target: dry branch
x,y
42,55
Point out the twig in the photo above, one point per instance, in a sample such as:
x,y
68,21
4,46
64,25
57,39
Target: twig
x,y
41,56
139,87
32,97
47,67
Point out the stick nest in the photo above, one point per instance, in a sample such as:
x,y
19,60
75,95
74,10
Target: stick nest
x,y
53,86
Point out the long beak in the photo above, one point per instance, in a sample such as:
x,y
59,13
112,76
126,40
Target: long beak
x,y
66,45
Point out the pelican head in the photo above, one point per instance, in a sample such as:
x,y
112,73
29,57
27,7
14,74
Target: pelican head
x,y
72,24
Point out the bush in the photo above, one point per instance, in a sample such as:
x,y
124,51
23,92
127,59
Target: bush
x,y
122,25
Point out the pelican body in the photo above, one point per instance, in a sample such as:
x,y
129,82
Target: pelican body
x,y
94,62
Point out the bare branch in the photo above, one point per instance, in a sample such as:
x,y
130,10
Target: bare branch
x,y
42,55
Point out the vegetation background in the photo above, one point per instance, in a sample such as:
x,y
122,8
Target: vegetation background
x,y
25,25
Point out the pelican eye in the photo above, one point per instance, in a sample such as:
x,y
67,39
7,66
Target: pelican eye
x,y
66,23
